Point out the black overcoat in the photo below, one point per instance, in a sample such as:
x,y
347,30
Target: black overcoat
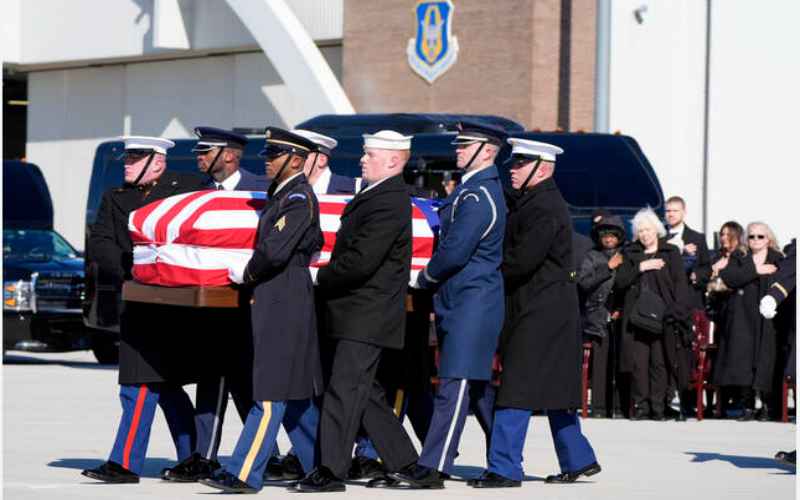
x,y
365,283
286,362
151,348
540,346
673,289
783,291
747,345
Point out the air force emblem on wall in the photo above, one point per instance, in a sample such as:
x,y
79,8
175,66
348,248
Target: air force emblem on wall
x,y
434,49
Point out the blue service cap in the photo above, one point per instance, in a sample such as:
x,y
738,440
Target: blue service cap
x,y
472,131
211,137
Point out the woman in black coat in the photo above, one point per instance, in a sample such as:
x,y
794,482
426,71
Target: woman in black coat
x,y
649,355
747,347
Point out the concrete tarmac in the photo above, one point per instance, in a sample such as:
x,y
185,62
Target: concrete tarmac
x,y
60,413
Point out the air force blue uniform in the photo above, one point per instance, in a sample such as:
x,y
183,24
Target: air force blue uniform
x,y
469,306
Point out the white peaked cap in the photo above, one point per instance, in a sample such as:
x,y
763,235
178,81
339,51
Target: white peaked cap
x,y
318,139
157,144
387,139
546,152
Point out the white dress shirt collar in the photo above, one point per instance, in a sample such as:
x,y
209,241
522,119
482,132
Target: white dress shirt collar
x,y
230,183
284,183
322,182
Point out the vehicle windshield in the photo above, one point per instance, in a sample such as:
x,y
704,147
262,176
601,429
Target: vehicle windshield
x,y
35,245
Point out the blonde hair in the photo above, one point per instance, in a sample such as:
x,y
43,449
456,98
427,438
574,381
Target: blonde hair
x,y
773,241
646,216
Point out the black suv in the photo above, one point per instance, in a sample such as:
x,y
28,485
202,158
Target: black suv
x,y
43,275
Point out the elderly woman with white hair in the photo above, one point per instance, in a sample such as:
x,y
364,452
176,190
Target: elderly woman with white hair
x,y
656,316
748,346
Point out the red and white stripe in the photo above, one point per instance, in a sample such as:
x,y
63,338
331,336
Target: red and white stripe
x,y
196,239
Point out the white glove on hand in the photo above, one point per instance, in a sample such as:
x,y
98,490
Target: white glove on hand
x,y
768,307
314,271
413,281
237,275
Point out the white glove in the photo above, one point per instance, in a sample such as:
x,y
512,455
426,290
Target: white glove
x,y
314,271
413,282
237,275
768,307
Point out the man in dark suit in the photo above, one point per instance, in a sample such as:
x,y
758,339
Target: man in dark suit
x,y
150,371
317,169
697,264
365,287
540,347
219,153
693,247
286,365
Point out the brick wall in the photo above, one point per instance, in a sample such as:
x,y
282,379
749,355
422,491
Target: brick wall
x,y
508,62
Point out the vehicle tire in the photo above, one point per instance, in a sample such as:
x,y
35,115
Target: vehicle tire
x,y
105,349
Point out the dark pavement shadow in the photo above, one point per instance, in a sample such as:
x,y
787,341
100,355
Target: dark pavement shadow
x,y
152,466
21,359
742,462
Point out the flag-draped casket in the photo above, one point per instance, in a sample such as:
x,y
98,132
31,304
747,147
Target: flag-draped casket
x,y
204,238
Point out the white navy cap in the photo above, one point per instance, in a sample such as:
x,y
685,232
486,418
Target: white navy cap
x,y
324,143
534,149
387,139
143,143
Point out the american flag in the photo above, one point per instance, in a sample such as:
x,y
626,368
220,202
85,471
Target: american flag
x,y
196,239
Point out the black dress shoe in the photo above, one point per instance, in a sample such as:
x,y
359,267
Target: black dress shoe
x,y
292,468
598,413
111,472
747,415
228,483
365,468
321,480
762,415
571,477
191,470
383,481
417,477
659,417
640,414
787,457
492,480
274,469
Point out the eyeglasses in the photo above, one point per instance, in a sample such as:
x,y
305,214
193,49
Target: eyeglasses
x,y
756,237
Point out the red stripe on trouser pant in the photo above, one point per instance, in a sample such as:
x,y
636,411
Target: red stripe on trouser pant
x,y
137,414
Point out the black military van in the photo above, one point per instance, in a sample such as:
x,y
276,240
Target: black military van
x,y
43,275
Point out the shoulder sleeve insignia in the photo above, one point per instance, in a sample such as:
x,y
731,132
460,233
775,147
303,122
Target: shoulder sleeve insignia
x,y
280,224
297,196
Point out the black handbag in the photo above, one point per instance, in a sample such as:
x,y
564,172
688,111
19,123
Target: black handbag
x,y
648,313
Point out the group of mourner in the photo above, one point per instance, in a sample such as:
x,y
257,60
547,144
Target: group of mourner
x,y
334,357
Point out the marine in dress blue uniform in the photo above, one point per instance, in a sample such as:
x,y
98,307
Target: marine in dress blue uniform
x,y
219,154
286,366
541,345
469,302
147,368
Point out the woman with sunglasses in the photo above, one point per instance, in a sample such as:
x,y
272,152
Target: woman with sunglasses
x,y
748,348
